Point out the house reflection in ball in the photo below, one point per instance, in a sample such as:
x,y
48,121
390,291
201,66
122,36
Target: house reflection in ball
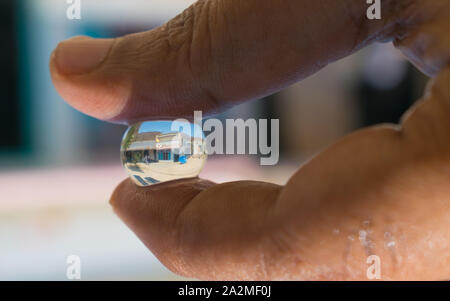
x,y
152,153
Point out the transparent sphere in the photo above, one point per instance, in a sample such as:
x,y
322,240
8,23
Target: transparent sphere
x,y
159,151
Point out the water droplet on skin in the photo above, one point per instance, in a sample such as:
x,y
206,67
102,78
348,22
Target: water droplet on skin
x,y
366,224
364,239
390,244
362,234
153,152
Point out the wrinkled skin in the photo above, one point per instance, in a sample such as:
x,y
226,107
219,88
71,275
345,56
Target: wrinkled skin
x,y
382,190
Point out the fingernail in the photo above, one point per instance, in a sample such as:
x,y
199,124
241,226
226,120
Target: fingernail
x,y
81,54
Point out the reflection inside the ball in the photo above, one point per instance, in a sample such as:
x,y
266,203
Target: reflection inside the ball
x,y
158,151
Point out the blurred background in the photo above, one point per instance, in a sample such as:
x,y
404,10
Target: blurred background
x,y
59,167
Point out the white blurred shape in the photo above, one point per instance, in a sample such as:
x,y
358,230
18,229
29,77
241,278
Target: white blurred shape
x,y
384,67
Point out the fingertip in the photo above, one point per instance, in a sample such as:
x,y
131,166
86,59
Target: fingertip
x,y
96,92
151,213
80,55
122,193
164,199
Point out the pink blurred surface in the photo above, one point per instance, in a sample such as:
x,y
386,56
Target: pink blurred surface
x,y
87,185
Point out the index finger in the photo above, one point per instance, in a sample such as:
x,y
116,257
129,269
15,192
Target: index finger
x,y
200,229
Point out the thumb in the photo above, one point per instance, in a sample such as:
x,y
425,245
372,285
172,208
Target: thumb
x,y
213,55
124,79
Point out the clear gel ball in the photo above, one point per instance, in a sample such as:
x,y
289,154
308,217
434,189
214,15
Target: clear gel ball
x,y
159,151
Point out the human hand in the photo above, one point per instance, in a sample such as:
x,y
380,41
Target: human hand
x,y
422,34
379,191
